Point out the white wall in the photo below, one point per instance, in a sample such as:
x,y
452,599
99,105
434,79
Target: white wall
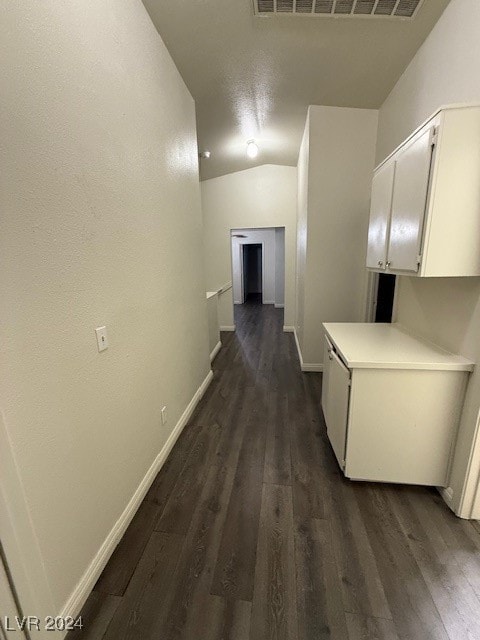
x,y
444,71
335,180
446,310
101,224
302,211
255,236
263,196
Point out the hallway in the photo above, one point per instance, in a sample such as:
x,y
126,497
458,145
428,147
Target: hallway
x,y
250,531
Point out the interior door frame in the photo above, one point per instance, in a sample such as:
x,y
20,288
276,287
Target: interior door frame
x,y
371,296
10,608
242,274
470,499
19,541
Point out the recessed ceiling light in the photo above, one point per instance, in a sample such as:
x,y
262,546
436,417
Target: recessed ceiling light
x,y
204,154
252,149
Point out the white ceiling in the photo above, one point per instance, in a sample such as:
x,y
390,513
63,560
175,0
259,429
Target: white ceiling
x,y
254,77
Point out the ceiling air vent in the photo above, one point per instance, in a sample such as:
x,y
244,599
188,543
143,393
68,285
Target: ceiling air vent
x,y
404,9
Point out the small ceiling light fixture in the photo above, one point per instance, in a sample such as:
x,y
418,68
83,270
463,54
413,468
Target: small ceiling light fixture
x,y
204,154
252,149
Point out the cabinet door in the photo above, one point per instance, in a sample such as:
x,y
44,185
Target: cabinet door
x,y
338,401
410,191
380,207
327,349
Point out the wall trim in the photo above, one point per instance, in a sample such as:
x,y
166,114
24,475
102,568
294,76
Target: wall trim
x,y
447,495
77,599
311,366
288,328
279,305
306,366
227,327
215,350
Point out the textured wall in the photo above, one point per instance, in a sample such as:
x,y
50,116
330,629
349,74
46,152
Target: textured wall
x,y
445,310
333,220
444,71
260,197
101,224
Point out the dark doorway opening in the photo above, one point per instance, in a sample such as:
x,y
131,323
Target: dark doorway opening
x,y
252,273
385,295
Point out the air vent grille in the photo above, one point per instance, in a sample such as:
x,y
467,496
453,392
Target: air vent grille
x,y
404,9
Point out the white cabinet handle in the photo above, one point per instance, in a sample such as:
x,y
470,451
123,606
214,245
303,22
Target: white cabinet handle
x,y
388,264
380,263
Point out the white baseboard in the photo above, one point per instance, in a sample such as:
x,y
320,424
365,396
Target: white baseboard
x,y
447,495
311,366
288,328
306,366
279,306
227,327
81,592
268,302
215,350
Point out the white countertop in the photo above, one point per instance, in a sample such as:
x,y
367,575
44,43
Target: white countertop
x,y
389,346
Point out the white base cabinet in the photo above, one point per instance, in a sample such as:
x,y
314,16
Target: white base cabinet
x,y
391,404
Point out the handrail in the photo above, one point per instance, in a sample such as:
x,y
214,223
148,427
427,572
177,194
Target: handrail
x,y
225,288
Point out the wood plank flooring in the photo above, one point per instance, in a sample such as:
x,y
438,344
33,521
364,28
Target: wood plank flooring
x,y
250,531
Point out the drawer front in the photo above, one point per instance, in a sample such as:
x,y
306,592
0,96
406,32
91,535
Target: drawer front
x,y
337,401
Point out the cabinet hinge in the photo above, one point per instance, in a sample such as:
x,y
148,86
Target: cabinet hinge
x,y
434,137
350,382
343,465
419,259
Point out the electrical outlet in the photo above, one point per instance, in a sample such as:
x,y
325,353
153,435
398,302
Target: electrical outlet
x,y
102,339
164,415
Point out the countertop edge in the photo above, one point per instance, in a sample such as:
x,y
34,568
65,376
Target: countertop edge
x,y
466,365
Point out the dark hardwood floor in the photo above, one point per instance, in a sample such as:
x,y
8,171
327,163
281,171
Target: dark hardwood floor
x,y
250,531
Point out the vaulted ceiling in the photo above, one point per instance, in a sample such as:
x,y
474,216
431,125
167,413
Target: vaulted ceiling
x,y
254,77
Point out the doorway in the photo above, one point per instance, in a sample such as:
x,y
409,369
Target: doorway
x,y
385,297
258,265
252,272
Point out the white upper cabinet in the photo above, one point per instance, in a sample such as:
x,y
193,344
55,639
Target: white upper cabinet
x,y
425,206
382,190
412,172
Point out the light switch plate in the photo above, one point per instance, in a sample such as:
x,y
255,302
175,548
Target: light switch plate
x,y
102,339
